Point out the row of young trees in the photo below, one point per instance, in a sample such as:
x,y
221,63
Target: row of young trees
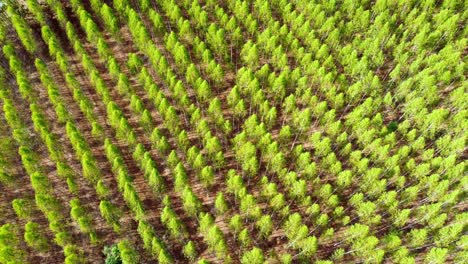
x,y
23,29
8,153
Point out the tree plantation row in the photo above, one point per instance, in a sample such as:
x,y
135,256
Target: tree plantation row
x,y
241,131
